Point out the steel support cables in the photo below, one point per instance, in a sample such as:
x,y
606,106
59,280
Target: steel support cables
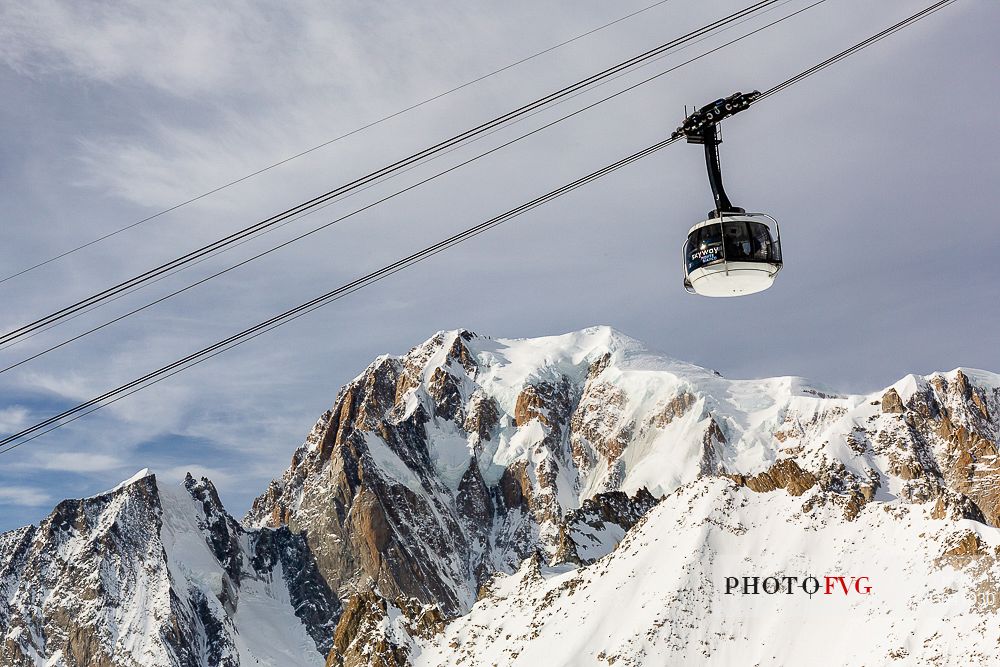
x,y
908,21
381,200
57,421
66,311
328,142
24,436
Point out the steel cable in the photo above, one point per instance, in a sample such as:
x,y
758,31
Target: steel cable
x,y
381,200
400,164
328,142
29,434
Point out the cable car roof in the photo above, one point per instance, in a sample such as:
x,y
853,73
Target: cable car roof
x,y
733,217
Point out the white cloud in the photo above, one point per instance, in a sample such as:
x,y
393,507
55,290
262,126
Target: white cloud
x,y
12,418
78,462
253,83
69,386
182,47
26,496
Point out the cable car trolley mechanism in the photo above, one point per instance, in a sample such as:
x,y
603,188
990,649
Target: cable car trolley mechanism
x,y
732,253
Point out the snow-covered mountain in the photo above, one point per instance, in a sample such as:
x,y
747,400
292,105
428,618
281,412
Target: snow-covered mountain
x,y
569,500
150,575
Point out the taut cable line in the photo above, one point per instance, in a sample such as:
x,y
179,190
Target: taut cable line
x,y
366,207
328,142
193,255
54,422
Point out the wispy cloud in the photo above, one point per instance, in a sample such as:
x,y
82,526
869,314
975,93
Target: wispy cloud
x,y
12,418
78,462
262,81
182,47
26,496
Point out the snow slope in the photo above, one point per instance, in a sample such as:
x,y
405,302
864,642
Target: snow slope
x,y
660,597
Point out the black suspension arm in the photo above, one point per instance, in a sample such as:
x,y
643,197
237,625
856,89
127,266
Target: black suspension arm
x,y
710,137
701,127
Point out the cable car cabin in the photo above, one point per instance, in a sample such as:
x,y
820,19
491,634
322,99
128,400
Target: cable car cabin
x,y
732,255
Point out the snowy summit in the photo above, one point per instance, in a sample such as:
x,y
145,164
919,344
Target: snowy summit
x,y
565,500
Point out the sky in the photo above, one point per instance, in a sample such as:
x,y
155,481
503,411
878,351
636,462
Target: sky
x,y
881,171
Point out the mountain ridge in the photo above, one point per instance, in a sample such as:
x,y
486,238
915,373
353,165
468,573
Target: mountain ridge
x,y
442,473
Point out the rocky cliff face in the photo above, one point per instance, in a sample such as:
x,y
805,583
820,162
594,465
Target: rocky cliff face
x,y
437,469
471,480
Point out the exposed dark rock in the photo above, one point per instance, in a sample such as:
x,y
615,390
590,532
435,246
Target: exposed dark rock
x,y
784,474
314,603
596,526
892,403
483,417
362,638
